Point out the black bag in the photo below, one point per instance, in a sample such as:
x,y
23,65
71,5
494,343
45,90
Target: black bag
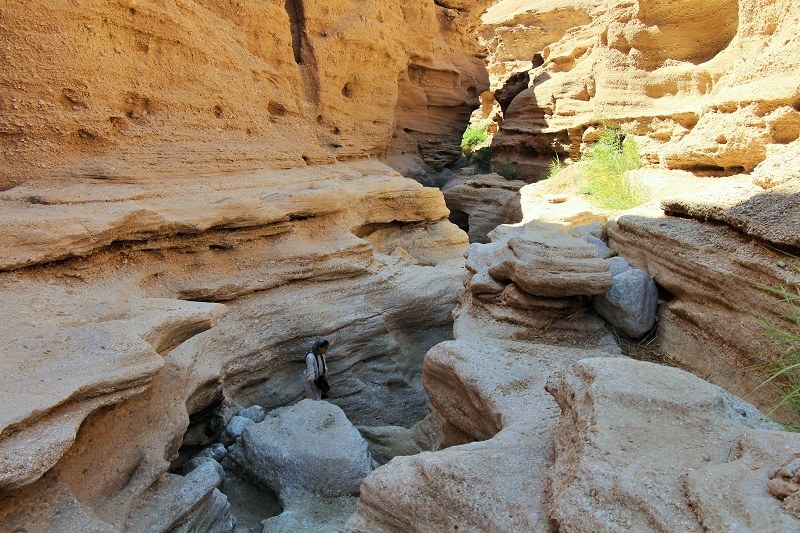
x,y
322,384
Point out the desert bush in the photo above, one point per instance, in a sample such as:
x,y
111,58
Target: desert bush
x,y
474,135
784,368
554,167
607,162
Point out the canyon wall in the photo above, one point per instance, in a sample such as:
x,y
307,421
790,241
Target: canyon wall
x,y
190,195
710,88
710,94
142,89
191,192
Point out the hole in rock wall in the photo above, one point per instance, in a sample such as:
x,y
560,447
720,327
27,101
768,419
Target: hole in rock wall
x,y
347,90
664,295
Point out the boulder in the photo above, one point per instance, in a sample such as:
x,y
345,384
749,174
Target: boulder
x,y
602,248
643,447
216,451
191,503
234,429
487,390
199,461
387,442
540,259
545,261
311,513
255,413
309,446
616,265
630,305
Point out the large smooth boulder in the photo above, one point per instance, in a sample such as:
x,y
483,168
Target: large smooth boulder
x,y
309,446
630,305
643,447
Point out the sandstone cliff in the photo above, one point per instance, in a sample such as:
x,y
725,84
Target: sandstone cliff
x,y
141,89
704,86
180,167
191,192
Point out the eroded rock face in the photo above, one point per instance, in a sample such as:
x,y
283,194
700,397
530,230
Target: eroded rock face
x,y
541,260
715,106
190,503
145,90
487,201
714,275
280,251
642,447
487,390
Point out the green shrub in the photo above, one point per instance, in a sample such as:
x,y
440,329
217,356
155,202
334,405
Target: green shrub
x,y
607,162
554,167
508,170
482,159
474,135
784,368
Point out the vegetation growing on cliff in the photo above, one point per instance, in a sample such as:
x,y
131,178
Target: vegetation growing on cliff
x,y
784,369
474,135
607,162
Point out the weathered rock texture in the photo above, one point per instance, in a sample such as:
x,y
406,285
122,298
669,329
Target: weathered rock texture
x,y
715,278
120,334
185,207
635,446
704,87
641,447
143,89
478,204
487,389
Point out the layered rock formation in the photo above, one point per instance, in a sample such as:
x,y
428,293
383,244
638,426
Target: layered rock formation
x,y
188,201
716,105
635,446
141,89
108,288
478,204
700,109
487,387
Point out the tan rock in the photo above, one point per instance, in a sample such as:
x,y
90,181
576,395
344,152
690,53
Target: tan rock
x,y
487,201
643,447
714,274
772,216
68,221
491,392
147,91
544,261
716,107
779,167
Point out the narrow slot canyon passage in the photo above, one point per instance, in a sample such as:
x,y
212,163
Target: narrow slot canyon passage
x,y
546,242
